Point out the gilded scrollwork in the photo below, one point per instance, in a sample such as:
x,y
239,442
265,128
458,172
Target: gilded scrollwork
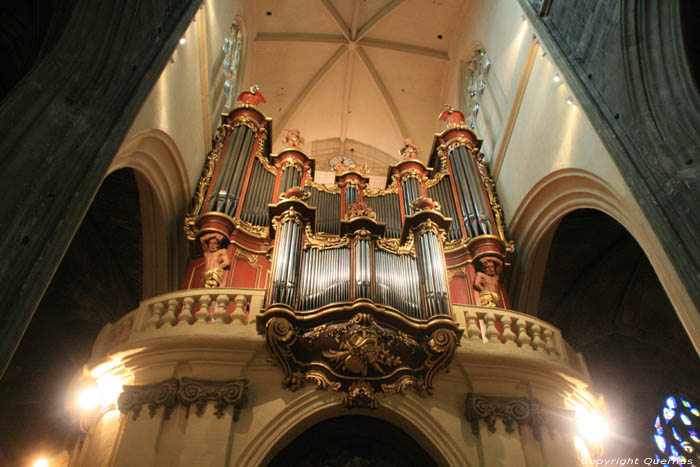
x,y
363,358
332,189
391,189
460,142
256,231
203,183
323,241
490,187
393,245
156,395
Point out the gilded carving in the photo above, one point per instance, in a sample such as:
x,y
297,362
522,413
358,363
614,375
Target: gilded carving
x,y
393,245
323,242
364,358
359,209
392,188
409,150
490,187
293,139
255,231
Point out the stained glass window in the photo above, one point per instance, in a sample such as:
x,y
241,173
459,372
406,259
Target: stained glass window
x,y
233,49
675,432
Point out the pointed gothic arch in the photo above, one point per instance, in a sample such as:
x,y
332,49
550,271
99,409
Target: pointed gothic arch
x,y
567,190
163,193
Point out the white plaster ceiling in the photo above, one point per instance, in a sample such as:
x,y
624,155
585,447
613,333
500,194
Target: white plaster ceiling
x,y
369,71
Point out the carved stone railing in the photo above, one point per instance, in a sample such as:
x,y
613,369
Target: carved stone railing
x,y
183,309
495,328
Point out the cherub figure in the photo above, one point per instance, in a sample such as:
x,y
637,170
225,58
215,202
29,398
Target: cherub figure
x,y
362,169
409,150
486,282
215,259
293,138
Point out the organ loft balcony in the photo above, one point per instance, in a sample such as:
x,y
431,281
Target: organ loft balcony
x,y
361,295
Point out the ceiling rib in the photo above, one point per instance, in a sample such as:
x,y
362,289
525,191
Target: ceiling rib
x,y
398,46
353,21
344,116
299,37
367,27
383,90
323,71
337,19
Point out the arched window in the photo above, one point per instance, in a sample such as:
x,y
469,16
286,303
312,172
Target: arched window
x,y
232,69
478,103
676,430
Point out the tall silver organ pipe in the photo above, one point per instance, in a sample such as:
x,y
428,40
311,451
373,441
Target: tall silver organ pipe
x,y
327,210
286,263
388,211
442,193
433,274
397,282
325,277
363,269
291,176
474,210
229,181
258,195
350,195
411,188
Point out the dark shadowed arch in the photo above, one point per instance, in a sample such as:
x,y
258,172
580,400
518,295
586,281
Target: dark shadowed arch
x,y
601,291
98,281
353,440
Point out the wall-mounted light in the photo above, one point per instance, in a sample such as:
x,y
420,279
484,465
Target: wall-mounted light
x,y
102,394
41,463
183,41
570,100
557,78
591,426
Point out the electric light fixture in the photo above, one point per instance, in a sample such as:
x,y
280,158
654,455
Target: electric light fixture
x,y
41,463
570,100
557,78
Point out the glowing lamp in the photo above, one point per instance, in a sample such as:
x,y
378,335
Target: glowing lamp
x,y
41,463
591,426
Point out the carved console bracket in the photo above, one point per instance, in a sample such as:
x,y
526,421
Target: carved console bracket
x,y
520,410
186,392
358,349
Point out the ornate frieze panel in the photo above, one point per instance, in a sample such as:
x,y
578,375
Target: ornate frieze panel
x,y
186,392
515,410
358,349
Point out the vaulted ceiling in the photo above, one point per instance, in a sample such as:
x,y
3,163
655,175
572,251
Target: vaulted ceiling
x,y
357,72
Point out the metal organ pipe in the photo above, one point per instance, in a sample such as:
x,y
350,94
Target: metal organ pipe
x,y
481,221
233,152
235,181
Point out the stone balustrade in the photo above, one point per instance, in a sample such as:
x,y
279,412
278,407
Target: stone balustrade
x,y
498,328
229,313
180,310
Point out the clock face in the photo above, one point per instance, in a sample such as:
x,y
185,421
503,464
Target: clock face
x,y
346,161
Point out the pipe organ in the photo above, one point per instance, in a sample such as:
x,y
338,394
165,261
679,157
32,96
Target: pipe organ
x,y
366,268
281,231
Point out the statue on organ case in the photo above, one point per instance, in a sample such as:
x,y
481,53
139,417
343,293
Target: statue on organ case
x,y
215,259
486,282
